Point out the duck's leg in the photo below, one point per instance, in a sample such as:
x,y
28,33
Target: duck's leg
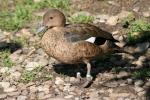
x,y
88,74
85,81
89,78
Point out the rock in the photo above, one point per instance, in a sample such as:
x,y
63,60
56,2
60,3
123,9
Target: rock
x,y
44,89
139,83
4,69
111,84
2,96
146,14
41,95
100,18
136,9
69,97
121,44
24,92
11,70
16,75
113,3
32,96
105,98
121,38
122,74
67,87
10,89
120,98
138,89
141,47
21,97
40,52
30,84
76,98
129,81
31,65
138,48
43,62
21,86
72,89
142,58
138,63
123,14
93,95
13,93
59,81
72,79
56,98
116,35
142,93
33,89
48,96
5,84
10,98
123,84
113,20
15,55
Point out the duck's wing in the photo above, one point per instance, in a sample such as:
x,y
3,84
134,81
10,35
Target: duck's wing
x,y
79,32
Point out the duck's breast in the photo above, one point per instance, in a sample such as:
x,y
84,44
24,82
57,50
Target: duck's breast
x,y
57,46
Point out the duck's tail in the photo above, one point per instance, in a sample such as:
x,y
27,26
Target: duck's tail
x,y
112,47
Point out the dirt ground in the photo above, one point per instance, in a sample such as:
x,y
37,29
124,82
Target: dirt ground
x,y
116,76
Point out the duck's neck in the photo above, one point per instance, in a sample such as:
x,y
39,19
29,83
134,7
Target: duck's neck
x,y
107,47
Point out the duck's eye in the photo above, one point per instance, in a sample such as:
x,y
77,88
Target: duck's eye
x,y
50,17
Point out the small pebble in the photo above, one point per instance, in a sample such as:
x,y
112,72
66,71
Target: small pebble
x,y
21,97
2,96
138,89
68,96
139,83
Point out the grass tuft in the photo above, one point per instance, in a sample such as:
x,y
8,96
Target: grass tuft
x,y
38,73
138,31
20,12
23,41
5,60
144,73
81,18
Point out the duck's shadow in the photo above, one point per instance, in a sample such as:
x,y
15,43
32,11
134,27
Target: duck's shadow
x,y
107,63
98,66
9,46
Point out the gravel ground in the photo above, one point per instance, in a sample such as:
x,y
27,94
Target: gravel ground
x,y
35,76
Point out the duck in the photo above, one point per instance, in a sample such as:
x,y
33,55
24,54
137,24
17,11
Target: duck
x,y
74,43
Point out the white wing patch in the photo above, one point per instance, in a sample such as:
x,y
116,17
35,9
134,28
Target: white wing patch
x,y
91,39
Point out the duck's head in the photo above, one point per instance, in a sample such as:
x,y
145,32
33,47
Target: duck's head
x,y
52,18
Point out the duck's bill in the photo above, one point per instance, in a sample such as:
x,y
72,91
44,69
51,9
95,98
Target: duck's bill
x,y
41,29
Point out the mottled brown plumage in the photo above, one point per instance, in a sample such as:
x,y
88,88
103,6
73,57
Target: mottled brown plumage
x,y
67,43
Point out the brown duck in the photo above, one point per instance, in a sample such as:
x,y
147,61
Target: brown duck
x,y
77,43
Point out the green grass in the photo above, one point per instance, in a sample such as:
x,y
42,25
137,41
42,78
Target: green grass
x,y
143,73
14,20
138,30
16,17
38,73
5,60
23,41
61,4
81,18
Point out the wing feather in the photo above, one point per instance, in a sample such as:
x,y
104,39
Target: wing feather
x,y
79,32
